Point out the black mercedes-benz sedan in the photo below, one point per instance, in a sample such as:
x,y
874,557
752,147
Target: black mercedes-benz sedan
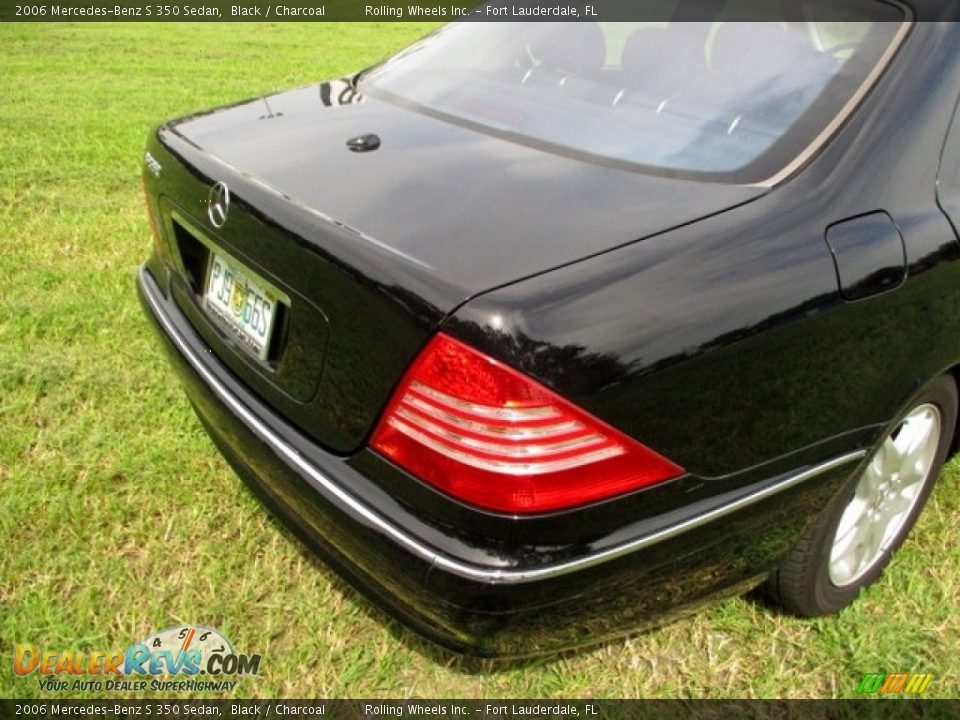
x,y
539,332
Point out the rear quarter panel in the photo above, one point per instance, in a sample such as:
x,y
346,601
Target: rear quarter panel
x,y
726,344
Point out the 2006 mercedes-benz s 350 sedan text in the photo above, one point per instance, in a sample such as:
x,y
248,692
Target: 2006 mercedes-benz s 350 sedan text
x,y
539,332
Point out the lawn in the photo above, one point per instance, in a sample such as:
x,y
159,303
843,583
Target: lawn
x,y
119,518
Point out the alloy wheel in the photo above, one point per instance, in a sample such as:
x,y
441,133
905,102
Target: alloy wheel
x,y
888,490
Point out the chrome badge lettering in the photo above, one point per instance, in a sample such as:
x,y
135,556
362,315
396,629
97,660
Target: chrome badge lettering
x,y
152,165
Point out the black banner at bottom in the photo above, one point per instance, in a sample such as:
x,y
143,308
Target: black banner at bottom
x,y
486,709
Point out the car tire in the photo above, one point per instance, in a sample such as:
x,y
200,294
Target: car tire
x,y
850,544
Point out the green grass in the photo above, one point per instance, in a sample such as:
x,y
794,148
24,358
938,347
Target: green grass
x,y
118,517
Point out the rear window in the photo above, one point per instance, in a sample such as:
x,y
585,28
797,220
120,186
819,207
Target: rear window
x,y
716,99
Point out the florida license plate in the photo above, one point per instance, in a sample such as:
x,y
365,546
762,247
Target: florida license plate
x,y
242,302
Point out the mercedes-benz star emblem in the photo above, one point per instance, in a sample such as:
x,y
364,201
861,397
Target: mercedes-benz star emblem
x,y
218,204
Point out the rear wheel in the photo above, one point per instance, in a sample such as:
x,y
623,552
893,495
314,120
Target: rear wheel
x,y
852,541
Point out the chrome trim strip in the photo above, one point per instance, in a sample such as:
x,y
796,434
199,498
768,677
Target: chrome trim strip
x,y
501,576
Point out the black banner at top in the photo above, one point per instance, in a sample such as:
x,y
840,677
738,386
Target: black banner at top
x,y
451,10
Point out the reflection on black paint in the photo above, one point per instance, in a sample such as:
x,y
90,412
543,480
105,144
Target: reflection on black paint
x,y
572,367
336,93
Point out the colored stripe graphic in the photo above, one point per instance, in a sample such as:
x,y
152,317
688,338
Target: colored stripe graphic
x,y
894,683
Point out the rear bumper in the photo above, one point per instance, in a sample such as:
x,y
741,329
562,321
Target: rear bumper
x,y
490,598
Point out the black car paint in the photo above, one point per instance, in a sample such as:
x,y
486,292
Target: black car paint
x,y
731,349
497,613
392,224
948,181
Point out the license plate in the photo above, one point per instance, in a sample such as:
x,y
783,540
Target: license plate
x,y
242,302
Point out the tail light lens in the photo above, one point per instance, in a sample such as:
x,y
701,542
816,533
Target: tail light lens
x,y
492,437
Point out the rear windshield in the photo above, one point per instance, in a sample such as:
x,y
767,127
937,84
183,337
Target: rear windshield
x,y
721,100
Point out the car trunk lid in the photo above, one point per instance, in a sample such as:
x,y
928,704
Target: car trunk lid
x,y
374,249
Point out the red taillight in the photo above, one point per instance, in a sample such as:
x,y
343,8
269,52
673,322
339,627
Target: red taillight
x,y
492,437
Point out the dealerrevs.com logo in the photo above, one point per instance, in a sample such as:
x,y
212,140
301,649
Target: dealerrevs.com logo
x,y
188,652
